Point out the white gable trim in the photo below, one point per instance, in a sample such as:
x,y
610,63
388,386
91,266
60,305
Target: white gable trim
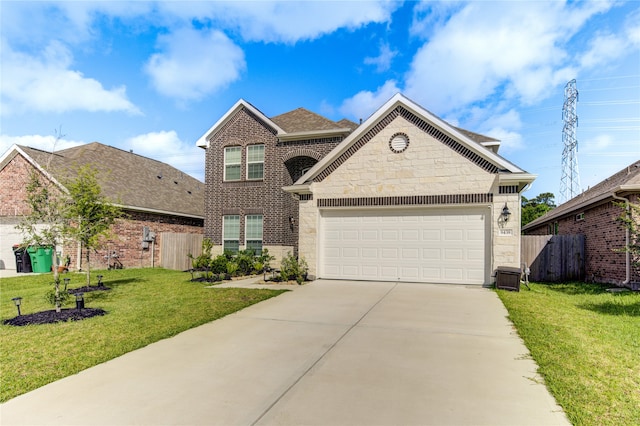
x,y
34,163
203,141
400,100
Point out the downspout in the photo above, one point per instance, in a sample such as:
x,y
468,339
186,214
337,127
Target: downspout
x,y
626,244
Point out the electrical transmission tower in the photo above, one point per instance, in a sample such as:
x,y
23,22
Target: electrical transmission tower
x,y
570,180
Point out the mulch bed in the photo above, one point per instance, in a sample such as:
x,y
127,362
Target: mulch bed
x,y
50,317
88,289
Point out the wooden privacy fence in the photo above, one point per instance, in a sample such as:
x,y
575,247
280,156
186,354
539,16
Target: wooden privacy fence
x,y
554,257
174,248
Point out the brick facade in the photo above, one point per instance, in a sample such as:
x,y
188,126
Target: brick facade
x,y
284,162
604,237
13,187
127,232
127,240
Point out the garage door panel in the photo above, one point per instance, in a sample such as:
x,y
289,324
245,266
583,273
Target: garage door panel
x,y
370,235
432,254
475,255
429,245
351,252
389,235
431,235
453,235
410,235
390,253
389,273
453,254
369,253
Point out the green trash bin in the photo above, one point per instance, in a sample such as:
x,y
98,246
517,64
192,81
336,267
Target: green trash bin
x,y
41,258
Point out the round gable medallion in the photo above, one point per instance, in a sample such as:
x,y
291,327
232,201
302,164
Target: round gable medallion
x,y
399,142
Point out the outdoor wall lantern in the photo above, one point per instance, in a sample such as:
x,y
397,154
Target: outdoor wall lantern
x,y
292,221
18,302
79,301
506,213
99,280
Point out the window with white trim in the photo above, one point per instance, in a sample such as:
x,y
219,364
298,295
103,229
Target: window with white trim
x,y
232,162
253,233
231,232
255,162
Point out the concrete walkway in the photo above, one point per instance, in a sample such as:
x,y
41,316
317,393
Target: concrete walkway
x,y
327,353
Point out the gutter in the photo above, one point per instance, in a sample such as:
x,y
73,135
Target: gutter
x,y
627,254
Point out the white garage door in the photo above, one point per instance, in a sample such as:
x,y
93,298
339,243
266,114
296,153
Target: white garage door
x,y
430,245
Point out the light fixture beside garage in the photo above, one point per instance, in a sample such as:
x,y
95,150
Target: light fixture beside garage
x,y
399,142
505,213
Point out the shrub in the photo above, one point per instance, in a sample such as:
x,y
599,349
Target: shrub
x,y
245,260
232,268
219,264
292,268
202,262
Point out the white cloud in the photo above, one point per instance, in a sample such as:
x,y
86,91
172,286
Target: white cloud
x,y
47,83
167,147
364,103
195,63
603,48
45,143
382,62
287,22
597,144
513,49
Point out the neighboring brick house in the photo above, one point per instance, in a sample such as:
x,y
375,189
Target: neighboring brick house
x,y
152,194
402,196
594,214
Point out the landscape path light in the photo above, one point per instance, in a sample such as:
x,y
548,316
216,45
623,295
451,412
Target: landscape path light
x,y
18,302
79,301
66,283
99,280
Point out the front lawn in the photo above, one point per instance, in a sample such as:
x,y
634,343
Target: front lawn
x,y
586,342
143,306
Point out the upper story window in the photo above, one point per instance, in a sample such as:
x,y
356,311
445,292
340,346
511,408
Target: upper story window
x,y
232,162
255,162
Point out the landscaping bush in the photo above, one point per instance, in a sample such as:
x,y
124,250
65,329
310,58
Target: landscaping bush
x,y
293,268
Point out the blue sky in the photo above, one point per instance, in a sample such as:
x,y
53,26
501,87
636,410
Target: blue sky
x,y
154,76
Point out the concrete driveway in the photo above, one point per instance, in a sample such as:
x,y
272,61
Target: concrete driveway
x,y
328,353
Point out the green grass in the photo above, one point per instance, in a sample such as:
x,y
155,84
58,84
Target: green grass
x,y
143,306
586,342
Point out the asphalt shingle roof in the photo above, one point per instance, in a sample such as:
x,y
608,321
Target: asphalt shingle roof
x,y
302,120
630,175
128,178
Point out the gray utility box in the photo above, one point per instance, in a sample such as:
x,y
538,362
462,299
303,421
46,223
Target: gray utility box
x,y
508,278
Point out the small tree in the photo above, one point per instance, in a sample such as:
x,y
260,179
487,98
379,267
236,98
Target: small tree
x,y
46,223
90,214
630,219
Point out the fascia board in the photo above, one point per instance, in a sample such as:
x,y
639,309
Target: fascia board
x,y
313,134
298,189
8,153
399,99
628,188
164,212
517,177
203,141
